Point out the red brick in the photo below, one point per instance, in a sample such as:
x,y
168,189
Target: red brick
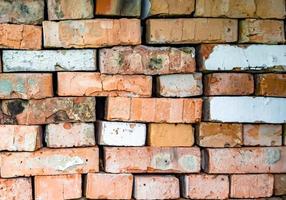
x,y
96,84
58,187
251,185
280,184
50,162
245,160
16,188
156,187
154,109
271,85
151,159
228,84
109,186
204,186
20,36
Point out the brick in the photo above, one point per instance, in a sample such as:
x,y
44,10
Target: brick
x,y
96,84
120,133
219,135
194,186
280,184
271,85
261,31
241,9
70,135
123,8
20,36
26,86
109,186
245,160
69,9
22,11
49,60
245,109
170,135
20,138
151,159
147,60
50,162
228,84
247,57
191,31
262,135
180,85
156,187
51,110
58,187
94,33
251,185
154,109
16,188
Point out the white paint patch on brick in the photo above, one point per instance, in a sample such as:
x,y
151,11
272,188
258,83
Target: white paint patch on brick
x,y
245,109
121,133
49,60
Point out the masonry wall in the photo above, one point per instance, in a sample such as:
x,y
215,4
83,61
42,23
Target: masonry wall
x,y
159,99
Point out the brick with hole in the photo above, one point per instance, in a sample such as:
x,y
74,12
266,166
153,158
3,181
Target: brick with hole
x,y
280,184
271,85
16,188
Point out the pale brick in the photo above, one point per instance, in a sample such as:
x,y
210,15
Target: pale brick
x,y
120,133
16,188
280,184
271,85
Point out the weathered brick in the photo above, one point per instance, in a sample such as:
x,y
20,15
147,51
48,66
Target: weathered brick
x,y
262,135
50,162
245,160
51,110
243,57
147,60
20,138
70,135
152,159
219,134
69,9
251,185
20,36
245,109
203,186
124,8
180,85
26,86
49,60
94,33
189,31
156,187
241,9
58,187
22,11
120,133
280,184
228,84
271,85
170,135
109,186
96,84
261,31
16,188
154,109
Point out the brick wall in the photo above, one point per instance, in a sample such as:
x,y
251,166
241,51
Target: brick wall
x,y
151,99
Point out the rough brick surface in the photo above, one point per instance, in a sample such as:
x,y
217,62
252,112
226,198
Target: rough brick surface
x,y
280,184
271,85
16,188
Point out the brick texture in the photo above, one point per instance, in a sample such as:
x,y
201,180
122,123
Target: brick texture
x,y
271,85
16,188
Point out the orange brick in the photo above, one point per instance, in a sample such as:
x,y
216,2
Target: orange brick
x,y
16,188
96,84
271,85
50,162
20,36
251,185
280,184
58,187
261,31
228,84
193,30
109,186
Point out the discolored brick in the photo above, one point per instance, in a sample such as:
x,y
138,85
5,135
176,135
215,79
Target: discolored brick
x,y
280,184
271,85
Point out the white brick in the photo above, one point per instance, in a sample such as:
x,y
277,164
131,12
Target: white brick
x,y
121,133
180,85
49,60
252,57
